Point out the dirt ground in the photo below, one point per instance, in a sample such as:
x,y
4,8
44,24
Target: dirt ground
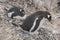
x,y
48,31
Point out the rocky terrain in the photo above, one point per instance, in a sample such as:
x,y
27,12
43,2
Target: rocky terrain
x,y
48,31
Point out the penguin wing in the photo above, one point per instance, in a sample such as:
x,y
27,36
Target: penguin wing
x,y
37,24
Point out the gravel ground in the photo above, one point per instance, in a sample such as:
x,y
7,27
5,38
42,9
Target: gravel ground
x,y
47,31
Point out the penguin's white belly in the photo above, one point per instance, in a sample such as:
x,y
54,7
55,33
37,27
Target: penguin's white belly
x,y
19,17
10,14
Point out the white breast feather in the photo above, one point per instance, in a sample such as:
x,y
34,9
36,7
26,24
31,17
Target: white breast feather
x,y
10,14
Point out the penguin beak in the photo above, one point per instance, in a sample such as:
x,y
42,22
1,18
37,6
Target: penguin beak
x,y
50,20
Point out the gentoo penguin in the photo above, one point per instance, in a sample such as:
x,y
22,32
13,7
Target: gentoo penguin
x,y
16,12
32,22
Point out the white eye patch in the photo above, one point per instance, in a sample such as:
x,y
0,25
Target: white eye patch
x,y
20,10
10,14
48,16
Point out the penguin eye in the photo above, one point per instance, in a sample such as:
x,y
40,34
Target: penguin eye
x,y
48,16
20,10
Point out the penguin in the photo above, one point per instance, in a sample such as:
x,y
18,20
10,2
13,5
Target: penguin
x,y
16,12
32,22
58,4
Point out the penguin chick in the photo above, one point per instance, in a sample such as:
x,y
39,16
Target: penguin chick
x,y
32,22
15,11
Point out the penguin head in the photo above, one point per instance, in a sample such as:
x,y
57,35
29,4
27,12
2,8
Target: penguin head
x,y
15,11
22,12
48,16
